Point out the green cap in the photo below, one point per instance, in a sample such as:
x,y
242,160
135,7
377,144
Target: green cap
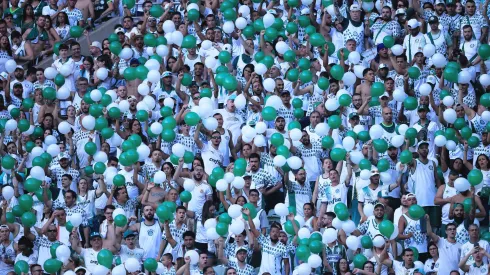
x,y
423,108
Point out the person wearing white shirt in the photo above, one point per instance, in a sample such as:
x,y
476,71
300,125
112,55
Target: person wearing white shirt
x,y
449,248
415,41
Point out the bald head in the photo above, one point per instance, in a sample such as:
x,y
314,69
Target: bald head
x,y
387,115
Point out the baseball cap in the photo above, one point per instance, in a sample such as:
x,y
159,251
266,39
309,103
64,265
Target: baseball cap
x,y
385,94
95,235
413,23
440,2
410,195
81,268
431,79
96,44
278,117
355,7
193,83
378,204
129,233
383,193
17,84
232,97
256,98
423,107
118,30
3,75
247,175
240,248
422,142
272,11
382,66
166,74
64,156
400,11
305,11
433,20
19,67
352,115
380,46
374,172
450,2
134,61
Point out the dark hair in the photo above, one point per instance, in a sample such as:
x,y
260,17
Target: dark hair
x,y
228,269
429,245
63,47
189,234
205,211
16,34
25,241
8,48
169,255
112,158
67,176
254,190
112,207
116,192
331,215
34,266
477,165
407,250
205,269
180,207
366,71
201,161
72,193
65,16
106,59
254,156
172,168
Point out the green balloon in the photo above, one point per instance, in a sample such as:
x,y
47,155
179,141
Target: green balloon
x,y
39,194
366,242
112,37
346,53
293,3
473,142
189,41
17,211
331,48
416,212
135,139
415,253
188,157
363,136
297,103
253,211
90,148
115,47
323,83
475,177
484,51
76,31
389,41
15,113
119,180
304,64
327,142
298,113
224,57
168,135
359,260
305,76
411,133
365,164
192,118
345,100
222,228
450,74
120,220
28,219
89,170
282,150
289,228
410,103
27,103
193,15
21,266
406,157
459,123
317,40
32,185
383,165
337,72
49,93
150,264
129,74
105,257
52,265
150,40
485,100
316,246
156,11
302,251
230,83
337,154
129,3
294,125
185,196
8,162
107,133
386,228
277,139
377,89
99,168
343,214
290,56
142,115
26,202
292,75
466,132
380,145
334,121
269,113
413,72
248,32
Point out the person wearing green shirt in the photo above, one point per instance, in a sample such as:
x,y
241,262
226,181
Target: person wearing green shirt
x,y
15,10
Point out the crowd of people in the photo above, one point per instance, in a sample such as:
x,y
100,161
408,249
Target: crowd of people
x,y
245,137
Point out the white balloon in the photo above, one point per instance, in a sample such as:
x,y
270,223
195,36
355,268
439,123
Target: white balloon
x,y
10,125
240,102
235,211
62,252
449,115
36,152
64,127
352,242
142,106
102,73
50,73
295,134
485,80
451,145
386,178
304,268
221,185
429,50
332,104
159,177
368,209
150,51
486,116
100,157
210,62
229,177
100,270
464,77
37,173
244,10
399,95
331,10
143,89
279,161
314,261
76,219
132,265
349,143
189,185
50,140
7,192
268,20
156,128
349,78
162,50
461,184
402,128
274,101
177,38
210,123
124,106
150,102
211,234
304,233
358,128
237,227
260,69
376,131
10,66
348,226
379,241
269,84
119,270
365,174
178,150
354,57
69,272
88,122
337,223
418,265
66,70
440,140
228,27
358,70
168,26
126,53
281,209
356,157
259,141
238,182
169,102
397,50
425,89
367,6
321,129
153,65
439,60
397,140
206,45
210,223
329,235
282,47
241,23
294,162
53,150
260,127
63,93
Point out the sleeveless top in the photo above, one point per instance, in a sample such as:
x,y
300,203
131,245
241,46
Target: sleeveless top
x,y
224,148
10,254
438,41
20,50
309,223
448,192
419,239
356,33
150,238
423,183
34,36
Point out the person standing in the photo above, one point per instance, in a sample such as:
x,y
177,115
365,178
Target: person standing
x,y
449,248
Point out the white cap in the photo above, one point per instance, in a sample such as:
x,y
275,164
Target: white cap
x,y
305,11
400,11
355,7
118,30
256,98
96,44
440,2
384,94
431,79
413,23
382,66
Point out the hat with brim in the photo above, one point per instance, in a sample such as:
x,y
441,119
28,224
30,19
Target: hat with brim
x,y
374,172
94,235
422,143
422,107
